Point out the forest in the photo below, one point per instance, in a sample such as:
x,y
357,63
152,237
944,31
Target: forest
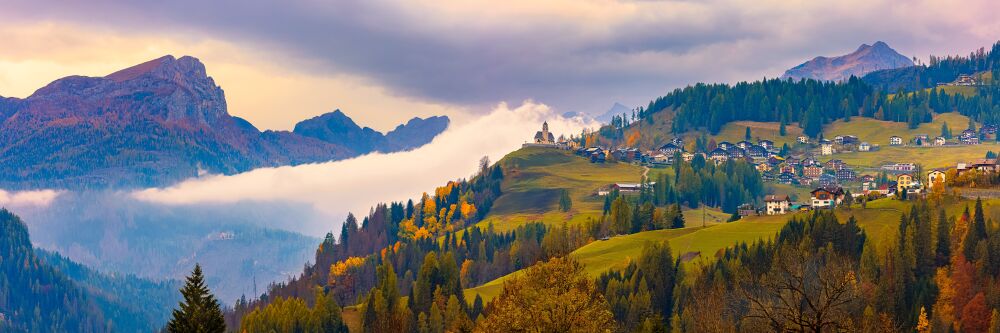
x,y
812,104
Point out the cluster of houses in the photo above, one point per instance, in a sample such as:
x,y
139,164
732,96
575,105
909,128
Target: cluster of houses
x,y
841,143
820,198
966,137
961,80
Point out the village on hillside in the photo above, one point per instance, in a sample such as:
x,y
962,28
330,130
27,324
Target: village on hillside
x,y
832,182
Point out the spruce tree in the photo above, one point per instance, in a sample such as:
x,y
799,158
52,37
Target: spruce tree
x,y
943,251
199,312
976,231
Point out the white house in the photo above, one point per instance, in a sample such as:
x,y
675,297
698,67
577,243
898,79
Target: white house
x,y
895,140
776,205
940,141
935,176
864,146
803,139
826,149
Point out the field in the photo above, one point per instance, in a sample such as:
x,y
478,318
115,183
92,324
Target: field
x,y
878,131
535,177
531,194
735,132
928,157
879,221
875,132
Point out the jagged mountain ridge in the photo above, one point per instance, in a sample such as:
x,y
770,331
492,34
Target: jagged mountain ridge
x,y
154,124
864,60
337,128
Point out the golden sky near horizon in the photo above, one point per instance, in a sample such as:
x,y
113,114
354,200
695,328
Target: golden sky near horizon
x,y
269,94
385,61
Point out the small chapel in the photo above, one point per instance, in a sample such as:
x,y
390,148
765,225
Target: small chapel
x,y
544,136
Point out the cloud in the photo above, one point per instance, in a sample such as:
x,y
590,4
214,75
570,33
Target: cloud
x,y
34,198
357,184
577,55
259,87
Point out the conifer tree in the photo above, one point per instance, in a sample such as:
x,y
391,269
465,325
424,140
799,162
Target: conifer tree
x,y
976,232
199,312
943,250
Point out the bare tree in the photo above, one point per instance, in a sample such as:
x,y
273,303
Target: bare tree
x,y
802,292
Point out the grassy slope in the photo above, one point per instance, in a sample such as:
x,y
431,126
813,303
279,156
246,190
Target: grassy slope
x,y
879,220
878,131
542,169
533,180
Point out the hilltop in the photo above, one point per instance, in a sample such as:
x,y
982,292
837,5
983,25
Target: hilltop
x,y
864,60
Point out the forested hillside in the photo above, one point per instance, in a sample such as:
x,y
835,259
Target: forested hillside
x,y
939,70
812,104
47,293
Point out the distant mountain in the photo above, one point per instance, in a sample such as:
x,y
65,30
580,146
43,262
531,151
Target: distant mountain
x,y
866,59
337,128
154,124
615,110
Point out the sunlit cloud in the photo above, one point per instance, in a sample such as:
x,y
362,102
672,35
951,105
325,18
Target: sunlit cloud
x,y
576,55
34,198
356,184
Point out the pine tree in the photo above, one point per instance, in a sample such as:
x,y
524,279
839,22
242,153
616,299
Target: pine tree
x,y
678,220
781,128
565,203
746,136
199,312
943,250
976,232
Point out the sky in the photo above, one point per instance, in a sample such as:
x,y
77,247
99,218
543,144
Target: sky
x,y
385,61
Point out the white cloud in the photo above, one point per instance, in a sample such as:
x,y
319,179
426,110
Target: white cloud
x,y
33,198
355,185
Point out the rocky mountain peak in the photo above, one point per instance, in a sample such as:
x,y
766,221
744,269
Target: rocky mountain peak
x,y
866,59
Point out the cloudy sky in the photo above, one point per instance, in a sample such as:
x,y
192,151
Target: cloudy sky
x,y
383,61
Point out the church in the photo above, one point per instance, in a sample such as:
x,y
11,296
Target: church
x,y
544,136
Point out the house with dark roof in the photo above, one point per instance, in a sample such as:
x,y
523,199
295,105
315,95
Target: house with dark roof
x,y
756,151
835,164
846,175
767,144
827,180
718,155
827,197
788,178
670,149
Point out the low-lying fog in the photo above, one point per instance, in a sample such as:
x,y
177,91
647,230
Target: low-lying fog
x,y
262,225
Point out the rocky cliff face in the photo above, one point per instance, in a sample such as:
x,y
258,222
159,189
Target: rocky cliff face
x,y
148,125
864,60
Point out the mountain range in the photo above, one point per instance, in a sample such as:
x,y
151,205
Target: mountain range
x,y
160,122
864,60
